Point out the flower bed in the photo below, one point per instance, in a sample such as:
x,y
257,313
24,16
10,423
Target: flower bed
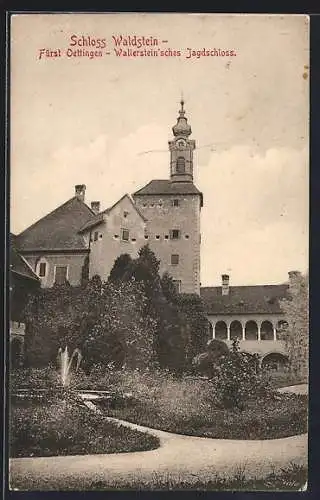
x,y
63,428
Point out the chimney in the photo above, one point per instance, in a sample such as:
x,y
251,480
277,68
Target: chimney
x,y
95,207
293,275
225,284
80,190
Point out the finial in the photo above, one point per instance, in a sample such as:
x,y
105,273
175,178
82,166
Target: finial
x,y
182,111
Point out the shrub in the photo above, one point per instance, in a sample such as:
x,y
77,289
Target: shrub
x,y
33,378
66,428
238,379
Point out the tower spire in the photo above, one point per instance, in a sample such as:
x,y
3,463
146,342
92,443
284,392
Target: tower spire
x,y
182,128
181,149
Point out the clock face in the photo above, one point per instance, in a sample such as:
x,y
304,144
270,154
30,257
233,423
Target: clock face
x,y
181,143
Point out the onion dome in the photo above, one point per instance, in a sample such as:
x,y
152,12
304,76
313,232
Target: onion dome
x,y
182,128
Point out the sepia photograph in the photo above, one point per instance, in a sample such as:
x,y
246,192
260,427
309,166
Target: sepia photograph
x,y
158,272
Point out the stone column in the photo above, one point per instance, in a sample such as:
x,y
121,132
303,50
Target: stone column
x,y
243,330
259,330
274,332
228,330
213,330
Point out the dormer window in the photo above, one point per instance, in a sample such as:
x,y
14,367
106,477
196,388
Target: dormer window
x,y
181,165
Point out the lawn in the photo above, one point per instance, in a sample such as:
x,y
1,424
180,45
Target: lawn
x,y
61,428
261,419
188,405
289,479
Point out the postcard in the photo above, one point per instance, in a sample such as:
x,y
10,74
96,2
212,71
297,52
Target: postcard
x,y
159,167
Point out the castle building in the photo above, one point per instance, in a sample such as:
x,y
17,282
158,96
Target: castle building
x,y
165,214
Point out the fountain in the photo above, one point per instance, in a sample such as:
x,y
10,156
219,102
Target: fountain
x,y
65,363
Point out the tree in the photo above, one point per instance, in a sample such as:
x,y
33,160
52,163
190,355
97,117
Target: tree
x,y
51,317
122,268
296,333
123,333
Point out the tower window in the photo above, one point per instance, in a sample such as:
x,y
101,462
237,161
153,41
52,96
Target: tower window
x,y
125,234
174,234
181,165
175,203
174,259
42,269
157,236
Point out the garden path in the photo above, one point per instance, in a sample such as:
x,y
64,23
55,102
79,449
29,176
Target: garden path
x,y
178,457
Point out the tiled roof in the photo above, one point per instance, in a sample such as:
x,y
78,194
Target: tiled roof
x,y
165,186
58,230
20,266
97,219
258,299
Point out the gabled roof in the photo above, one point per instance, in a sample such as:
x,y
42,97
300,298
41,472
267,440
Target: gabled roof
x,y
258,299
166,186
99,218
58,230
18,264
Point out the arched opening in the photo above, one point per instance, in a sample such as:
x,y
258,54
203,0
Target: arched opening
x,y
16,353
235,330
181,165
251,330
266,330
210,330
275,361
220,330
282,325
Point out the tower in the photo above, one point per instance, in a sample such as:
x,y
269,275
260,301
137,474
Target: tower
x,y
181,149
172,209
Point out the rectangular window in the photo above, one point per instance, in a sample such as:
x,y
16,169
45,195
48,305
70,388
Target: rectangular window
x,y
174,234
125,234
42,269
61,275
174,259
175,203
177,285
95,236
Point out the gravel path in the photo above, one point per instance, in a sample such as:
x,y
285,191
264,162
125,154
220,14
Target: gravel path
x,y
178,457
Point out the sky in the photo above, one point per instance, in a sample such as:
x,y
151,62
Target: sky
x,y
105,122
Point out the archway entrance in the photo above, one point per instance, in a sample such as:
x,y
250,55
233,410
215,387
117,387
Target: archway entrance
x,y
275,361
